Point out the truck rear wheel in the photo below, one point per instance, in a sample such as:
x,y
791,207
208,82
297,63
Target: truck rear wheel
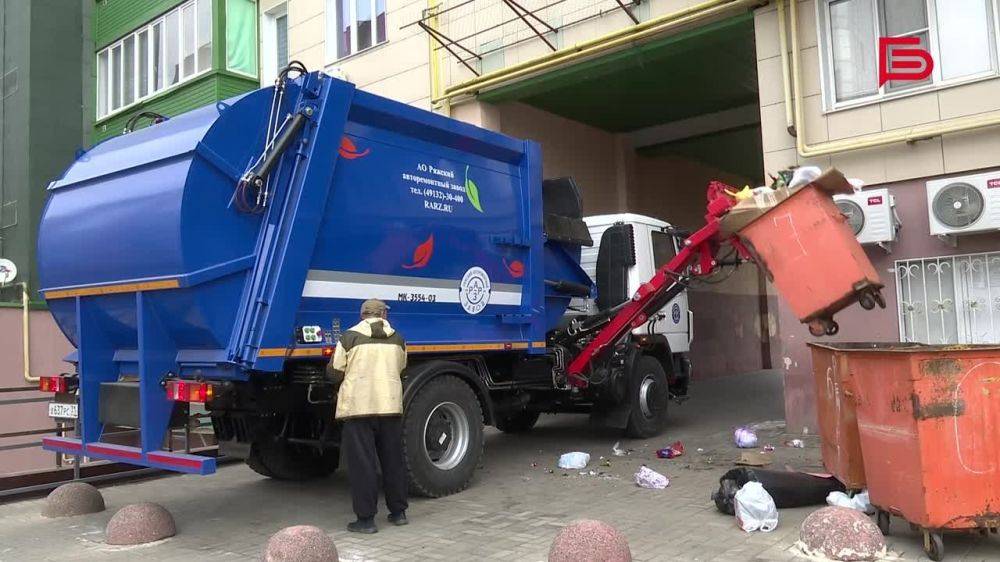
x,y
284,461
442,437
519,422
649,395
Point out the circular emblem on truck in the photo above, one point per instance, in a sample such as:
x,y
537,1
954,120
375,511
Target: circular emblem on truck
x,y
474,292
675,313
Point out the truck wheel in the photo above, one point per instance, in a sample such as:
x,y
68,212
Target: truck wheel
x,y
648,396
519,422
442,437
283,461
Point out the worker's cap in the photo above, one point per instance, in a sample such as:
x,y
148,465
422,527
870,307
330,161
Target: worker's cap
x,y
373,307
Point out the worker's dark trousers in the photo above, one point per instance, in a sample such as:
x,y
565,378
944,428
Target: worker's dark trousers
x,y
364,439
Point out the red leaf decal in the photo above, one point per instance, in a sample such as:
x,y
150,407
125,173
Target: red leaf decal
x,y
515,268
349,150
422,254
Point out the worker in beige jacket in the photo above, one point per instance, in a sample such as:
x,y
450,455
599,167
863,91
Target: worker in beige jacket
x,y
369,359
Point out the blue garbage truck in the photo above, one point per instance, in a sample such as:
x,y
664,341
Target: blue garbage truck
x,y
213,258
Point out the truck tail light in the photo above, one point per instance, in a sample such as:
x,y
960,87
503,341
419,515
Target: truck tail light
x,y
188,391
59,384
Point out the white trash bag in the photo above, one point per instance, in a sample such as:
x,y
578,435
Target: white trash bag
x,y
755,509
646,477
859,502
574,461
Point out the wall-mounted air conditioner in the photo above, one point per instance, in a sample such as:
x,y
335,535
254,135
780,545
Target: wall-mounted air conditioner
x,y
964,205
872,216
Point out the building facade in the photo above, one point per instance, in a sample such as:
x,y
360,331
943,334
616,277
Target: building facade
x,y
169,56
644,102
42,48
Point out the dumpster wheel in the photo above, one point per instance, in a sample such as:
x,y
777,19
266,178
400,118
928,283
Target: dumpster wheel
x,y
934,545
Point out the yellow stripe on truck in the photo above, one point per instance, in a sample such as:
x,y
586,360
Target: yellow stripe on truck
x,y
114,289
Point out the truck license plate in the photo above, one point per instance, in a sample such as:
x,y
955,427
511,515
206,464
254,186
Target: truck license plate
x,y
60,410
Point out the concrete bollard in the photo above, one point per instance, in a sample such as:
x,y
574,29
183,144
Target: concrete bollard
x,y
140,523
300,543
842,533
587,540
74,498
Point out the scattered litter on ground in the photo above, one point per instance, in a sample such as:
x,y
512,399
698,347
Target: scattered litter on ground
x,y
745,437
772,425
672,452
574,461
617,450
768,448
646,477
755,509
787,489
796,443
605,462
859,502
700,450
550,471
755,458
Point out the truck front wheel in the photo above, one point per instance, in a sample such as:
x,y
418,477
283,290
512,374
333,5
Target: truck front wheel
x,y
442,437
648,395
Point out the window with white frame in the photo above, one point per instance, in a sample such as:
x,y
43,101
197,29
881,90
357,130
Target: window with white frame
x,y
959,34
171,49
353,26
273,43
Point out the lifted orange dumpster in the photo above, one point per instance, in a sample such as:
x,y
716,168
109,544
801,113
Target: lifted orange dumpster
x,y
929,423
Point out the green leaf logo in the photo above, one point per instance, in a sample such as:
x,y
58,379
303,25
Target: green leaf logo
x,y
472,192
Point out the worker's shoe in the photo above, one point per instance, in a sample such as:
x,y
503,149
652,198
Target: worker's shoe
x,y
398,519
363,525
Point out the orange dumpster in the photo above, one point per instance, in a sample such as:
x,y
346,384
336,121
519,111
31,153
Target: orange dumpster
x,y
813,257
929,423
838,422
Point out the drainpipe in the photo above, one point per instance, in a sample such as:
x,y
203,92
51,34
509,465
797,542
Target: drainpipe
x,y
786,80
25,325
444,106
598,45
909,135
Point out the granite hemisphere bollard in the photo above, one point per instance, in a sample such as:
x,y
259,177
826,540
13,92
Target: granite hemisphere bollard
x,y
587,540
841,533
140,523
300,543
73,498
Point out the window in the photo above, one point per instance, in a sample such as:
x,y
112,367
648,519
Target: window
x,y
273,44
241,36
949,300
167,51
663,248
959,34
356,25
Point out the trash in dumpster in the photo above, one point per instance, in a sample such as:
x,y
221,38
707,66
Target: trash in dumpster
x,y
755,509
574,461
646,477
745,437
672,452
859,502
788,489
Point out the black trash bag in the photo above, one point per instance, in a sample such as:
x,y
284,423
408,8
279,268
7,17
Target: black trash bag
x,y
787,488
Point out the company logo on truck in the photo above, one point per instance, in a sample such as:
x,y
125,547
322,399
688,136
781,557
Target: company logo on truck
x,y
472,191
474,291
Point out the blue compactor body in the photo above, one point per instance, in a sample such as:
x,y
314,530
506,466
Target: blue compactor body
x,y
215,257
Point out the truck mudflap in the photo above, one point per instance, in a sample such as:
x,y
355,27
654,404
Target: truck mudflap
x,y
166,460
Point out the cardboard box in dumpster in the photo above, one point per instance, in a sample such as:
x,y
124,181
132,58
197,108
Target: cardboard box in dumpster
x,y
749,210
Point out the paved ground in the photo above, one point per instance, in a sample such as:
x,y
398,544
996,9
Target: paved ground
x,y
511,512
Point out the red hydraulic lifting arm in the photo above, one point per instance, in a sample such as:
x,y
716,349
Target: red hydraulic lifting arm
x,y
698,252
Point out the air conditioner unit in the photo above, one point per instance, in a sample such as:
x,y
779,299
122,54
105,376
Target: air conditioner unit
x,y
964,205
871,214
